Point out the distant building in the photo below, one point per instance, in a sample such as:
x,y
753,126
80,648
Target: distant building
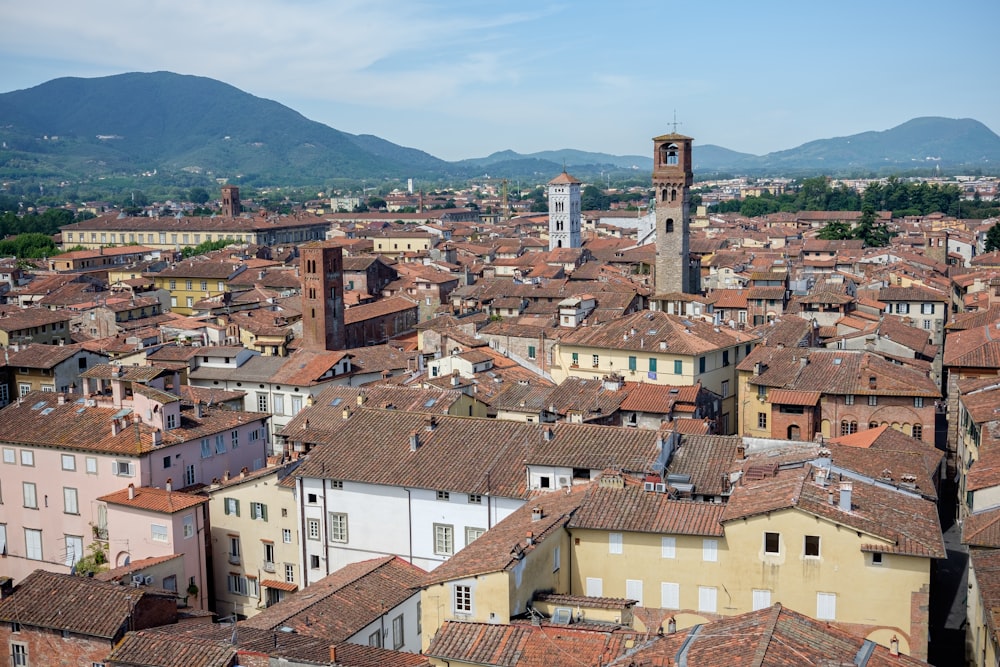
x,y
564,212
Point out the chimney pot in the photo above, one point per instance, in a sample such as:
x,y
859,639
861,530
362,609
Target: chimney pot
x,y
333,654
414,441
845,495
170,484
131,491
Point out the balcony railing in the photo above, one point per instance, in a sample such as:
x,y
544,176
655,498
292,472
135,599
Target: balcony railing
x,y
234,559
267,566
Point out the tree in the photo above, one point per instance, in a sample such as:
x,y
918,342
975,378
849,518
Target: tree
x,y
97,561
198,195
376,203
993,238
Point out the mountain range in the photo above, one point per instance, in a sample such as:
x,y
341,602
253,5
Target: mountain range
x,y
73,128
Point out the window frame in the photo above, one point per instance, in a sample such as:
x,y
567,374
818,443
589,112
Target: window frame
x,y
461,599
772,539
808,540
337,527
444,539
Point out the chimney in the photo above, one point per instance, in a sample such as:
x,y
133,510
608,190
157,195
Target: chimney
x,y
530,538
6,587
197,409
346,413
803,361
362,397
414,441
131,491
243,472
894,646
741,452
114,427
536,514
872,382
157,438
547,434
333,654
455,379
225,476
170,484
757,368
61,400
845,496
672,625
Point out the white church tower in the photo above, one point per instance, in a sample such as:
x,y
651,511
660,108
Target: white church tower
x,y
564,212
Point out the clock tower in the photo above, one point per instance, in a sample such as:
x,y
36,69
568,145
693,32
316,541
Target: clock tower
x,y
672,178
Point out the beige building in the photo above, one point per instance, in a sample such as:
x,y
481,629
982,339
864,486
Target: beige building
x,y
661,349
255,540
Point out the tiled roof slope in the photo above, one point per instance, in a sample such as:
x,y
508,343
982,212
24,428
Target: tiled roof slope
x,y
152,649
498,549
343,603
835,372
771,637
986,564
982,529
459,452
526,645
909,523
681,336
85,606
973,348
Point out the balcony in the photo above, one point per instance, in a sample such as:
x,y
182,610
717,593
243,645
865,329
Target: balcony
x,y
234,559
267,566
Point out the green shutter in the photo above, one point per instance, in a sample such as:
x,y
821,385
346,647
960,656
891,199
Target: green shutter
x,y
678,367
263,512
631,363
652,364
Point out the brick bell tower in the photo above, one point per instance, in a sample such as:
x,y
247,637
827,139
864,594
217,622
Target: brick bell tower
x,y
672,178
321,270
231,201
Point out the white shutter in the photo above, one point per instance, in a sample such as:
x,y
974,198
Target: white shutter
x,y
633,590
710,550
670,595
707,598
595,587
614,543
826,606
33,543
3,539
761,599
668,547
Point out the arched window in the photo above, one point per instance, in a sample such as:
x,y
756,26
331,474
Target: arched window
x,y
671,154
872,424
918,431
559,243
663,195
669,227
793,432
673,195
848,427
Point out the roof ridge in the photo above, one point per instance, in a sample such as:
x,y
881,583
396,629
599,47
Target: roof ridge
x,y
772,622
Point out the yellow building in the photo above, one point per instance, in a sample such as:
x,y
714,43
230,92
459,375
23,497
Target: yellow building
x,y
399,242
255,540
193,280
838,552
659,348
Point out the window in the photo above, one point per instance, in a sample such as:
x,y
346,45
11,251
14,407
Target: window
x,y
668,547
9,456
231,506
3,540
556,558
614,543
725,357
725,388
286,535
710,550
236,584
234,439
918,431
30,498
158,532
927,309
918,401
848,427
71,503
761,392
595,587
171,421
877,558
443,495
189,475
595,360
463,599
849,399
312,528
444,539
873,400
472,534
19,654
826,606
24,388
761,420
531,352
670,595
701,364
397,632
261,402
289,573
575,359
234,549
311,498
475,499
279,404
123,468
189,526
902,308
707,596
206,448
27,457
632,363
69,462
772,543
811,546
74,549
337,527
375,639
220,444
296,405
927,325
761,599
258,511
678,367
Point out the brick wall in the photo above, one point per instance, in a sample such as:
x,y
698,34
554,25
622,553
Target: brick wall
x,y
48,647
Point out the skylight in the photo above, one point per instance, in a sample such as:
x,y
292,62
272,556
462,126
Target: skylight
x,y
39,405
335,402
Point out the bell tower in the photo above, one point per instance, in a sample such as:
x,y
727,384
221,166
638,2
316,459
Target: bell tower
x,y
564,212
672,178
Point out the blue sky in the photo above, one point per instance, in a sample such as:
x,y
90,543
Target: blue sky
x,y
465,78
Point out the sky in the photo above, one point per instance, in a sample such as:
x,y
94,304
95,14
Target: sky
x,y
465,78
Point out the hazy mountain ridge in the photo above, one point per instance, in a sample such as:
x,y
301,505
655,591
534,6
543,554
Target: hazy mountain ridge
x,y
73,127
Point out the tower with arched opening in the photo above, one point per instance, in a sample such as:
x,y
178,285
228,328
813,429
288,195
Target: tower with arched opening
x,y
672,178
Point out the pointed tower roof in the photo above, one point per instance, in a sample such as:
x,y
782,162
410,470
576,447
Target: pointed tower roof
x,y
564,179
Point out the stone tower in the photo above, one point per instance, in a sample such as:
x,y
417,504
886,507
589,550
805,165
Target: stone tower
x,y
564,212
672,178
231,201
321,270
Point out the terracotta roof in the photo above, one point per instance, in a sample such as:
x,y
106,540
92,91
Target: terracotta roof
x,y
791,397
679,335
343,603
27,318
982,529
661,399
137,565
395,304
153,499
41,356
973,348
308,367
706,459
564,179
153,649
85,606
280,585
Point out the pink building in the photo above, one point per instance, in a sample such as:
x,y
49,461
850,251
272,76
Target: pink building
x,y
59,453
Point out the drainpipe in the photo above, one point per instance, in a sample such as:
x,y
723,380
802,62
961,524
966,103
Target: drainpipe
x,y
302,535
409,524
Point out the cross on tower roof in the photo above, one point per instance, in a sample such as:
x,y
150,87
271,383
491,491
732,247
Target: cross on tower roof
x,y
675,123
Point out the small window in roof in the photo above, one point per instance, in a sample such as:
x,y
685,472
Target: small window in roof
x,y
335,402
430,403
836,361
47,411
39,405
